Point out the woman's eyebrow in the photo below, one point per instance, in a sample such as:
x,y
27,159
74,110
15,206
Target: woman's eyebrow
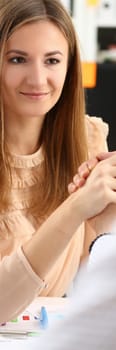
x,y
20,52
53,53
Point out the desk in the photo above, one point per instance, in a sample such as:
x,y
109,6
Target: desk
x,y
53,305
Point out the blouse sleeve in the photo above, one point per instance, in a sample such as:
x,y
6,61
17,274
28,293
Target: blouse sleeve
x,y
19,285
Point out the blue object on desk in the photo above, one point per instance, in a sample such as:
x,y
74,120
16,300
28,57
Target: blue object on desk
x,y
43,318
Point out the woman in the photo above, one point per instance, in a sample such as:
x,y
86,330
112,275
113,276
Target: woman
x,y
45,136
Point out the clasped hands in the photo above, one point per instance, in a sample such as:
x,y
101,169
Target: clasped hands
x,y
104,164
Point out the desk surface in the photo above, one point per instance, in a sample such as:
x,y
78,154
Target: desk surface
x,y
54,306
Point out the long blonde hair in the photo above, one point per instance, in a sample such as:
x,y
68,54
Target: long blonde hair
x,y
62,137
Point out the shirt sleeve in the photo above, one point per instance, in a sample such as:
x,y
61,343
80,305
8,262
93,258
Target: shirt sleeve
x,y
19,285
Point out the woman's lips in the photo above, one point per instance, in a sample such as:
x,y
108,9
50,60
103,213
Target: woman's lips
x,y
34,95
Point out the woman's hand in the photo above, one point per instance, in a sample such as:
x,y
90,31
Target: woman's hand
x,y
106,220
84,170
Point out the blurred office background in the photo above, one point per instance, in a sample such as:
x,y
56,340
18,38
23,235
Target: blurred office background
x,y
95,23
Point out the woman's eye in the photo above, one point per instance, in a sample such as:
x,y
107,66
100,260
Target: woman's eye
x,y
17,60
53,61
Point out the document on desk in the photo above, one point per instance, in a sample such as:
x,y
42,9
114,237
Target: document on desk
x,y
39,316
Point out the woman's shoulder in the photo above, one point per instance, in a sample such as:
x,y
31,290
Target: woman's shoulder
x,y
97,132
96,124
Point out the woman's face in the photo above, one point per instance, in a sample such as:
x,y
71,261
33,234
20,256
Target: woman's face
x,y
34,70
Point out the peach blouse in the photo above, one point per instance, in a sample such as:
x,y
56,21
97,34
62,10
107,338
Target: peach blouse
x,y
19,284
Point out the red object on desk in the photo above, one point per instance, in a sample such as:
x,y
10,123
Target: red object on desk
x,y
26,318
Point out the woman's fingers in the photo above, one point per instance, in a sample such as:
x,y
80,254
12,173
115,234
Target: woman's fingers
x,y
86,167
83,172
77,182
73,186
105,155
98,192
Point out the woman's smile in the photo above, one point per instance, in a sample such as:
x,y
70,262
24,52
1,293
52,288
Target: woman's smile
x,y
34,70
35,95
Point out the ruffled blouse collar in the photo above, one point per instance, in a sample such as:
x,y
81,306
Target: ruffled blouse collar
x,y
26,161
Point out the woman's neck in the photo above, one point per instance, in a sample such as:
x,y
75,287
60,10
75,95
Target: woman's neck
x,y
23,138
22,147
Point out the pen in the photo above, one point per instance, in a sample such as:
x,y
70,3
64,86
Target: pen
x,y
43,318
18,334
14,334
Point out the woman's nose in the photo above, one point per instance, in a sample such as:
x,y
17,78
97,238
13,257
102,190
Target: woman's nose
x,y
37,75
